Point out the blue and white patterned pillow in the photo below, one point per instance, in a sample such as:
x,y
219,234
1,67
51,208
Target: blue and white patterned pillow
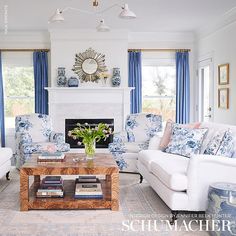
x,y
227,145
214,144
185,141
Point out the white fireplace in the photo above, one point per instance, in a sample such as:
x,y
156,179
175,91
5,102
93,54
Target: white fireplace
x,y
88,103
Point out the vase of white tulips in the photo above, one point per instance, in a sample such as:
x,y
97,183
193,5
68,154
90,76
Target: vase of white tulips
x,y
90,136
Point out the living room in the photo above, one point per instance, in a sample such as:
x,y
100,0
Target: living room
x,y
133,97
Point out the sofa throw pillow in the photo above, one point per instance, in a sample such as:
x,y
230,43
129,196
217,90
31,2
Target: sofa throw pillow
x,y
227,145
168,131
214,143
166,135
185,141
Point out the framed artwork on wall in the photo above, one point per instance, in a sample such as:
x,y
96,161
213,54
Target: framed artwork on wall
x,y
223,98
223,74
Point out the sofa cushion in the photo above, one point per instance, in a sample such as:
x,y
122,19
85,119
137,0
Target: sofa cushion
x,y
171,170
5,155
227,145
147,156
214,143
168,131
212,129
185,141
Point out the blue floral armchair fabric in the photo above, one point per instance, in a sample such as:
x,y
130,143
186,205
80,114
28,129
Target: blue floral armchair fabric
x,y
34,134
139,129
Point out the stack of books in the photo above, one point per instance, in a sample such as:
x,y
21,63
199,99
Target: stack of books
x,y
51,157
51,186
88,187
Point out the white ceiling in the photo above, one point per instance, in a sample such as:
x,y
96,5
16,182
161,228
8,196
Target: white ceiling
x,y
152,15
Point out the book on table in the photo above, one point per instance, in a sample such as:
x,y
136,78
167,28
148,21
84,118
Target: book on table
x,y
88,196
52,180
87,179
51,186
87,189
47,156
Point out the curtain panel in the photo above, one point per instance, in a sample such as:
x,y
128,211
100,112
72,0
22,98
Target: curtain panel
x,y
2,119
40,60
135,80
182,88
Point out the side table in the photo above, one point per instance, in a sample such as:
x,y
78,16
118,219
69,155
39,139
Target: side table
x,y
222,206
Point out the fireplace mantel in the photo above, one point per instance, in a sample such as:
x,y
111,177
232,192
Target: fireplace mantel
x,y
88,102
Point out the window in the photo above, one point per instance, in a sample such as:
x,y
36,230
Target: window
x,y
18,78
159,85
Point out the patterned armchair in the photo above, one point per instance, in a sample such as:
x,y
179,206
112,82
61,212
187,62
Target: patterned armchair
x,y
139,129
34,134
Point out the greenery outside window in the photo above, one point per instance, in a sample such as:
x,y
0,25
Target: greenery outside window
x,y
159,87
18,77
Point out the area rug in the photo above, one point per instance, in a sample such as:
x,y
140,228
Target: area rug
x,y
137,202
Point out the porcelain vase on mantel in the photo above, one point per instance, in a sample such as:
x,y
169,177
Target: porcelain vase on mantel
x,y
61,77
116,79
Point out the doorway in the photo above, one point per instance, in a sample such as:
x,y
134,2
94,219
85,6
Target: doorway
x,y
205,91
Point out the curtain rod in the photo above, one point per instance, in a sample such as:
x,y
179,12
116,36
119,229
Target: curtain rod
x,y
24,50
159,50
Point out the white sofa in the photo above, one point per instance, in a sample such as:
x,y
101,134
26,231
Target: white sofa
x,y
5,162
183,182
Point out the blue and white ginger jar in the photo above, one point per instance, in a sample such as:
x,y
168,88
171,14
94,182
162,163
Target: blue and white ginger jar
x,y
116,79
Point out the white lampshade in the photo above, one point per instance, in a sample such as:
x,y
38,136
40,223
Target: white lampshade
x,y
126,13
57,16
102,27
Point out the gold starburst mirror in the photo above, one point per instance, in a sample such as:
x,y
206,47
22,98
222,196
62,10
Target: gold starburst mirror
x,y
89,65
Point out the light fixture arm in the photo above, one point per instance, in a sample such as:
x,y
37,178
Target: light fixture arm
x,y
77,9
90,12
108,8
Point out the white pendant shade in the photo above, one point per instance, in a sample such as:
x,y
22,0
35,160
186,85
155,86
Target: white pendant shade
x,y
57,17
126,13
102,27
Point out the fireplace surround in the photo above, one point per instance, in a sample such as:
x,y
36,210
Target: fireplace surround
x,y
88,103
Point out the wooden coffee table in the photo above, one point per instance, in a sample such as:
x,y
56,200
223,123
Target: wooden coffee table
x,y
103,164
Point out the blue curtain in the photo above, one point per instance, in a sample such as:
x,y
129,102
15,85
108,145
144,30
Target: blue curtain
x,y
182,88
2,121
135,80
41,81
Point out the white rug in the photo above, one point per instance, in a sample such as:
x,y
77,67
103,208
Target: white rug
x,y
137,202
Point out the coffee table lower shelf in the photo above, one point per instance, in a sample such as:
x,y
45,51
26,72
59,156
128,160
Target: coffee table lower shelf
x,y
69,202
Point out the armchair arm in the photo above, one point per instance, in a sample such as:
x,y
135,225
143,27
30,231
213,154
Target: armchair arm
x,y
56,137
120,137
20,139
118,144
204,170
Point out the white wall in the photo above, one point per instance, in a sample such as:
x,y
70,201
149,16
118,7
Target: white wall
x,y
222,45
66,43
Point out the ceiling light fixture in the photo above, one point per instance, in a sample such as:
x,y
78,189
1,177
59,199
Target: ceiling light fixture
x,y
57,16
126,13
102,27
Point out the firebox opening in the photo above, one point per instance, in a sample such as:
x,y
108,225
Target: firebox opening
x,y
71,124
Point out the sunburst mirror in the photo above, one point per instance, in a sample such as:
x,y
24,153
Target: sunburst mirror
x,y
89,65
